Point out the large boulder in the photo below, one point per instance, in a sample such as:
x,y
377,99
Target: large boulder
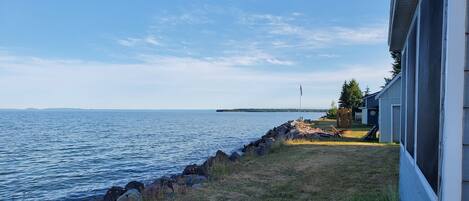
x,y
135,185
269,142
282,130
234,157
166,183
220,158
271,133
113,193
194,169
161,188
152,192
292,134
262,149
249,149
131,195
190,180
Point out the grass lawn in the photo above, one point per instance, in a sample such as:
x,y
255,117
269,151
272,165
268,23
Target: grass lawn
x,y
304,170
344,170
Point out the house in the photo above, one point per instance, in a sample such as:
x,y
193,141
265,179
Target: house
x,y
389,99
434,142
370,110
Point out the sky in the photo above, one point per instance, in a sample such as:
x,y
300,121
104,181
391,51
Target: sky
x,y
200,54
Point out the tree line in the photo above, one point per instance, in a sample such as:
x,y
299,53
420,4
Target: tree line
x,y
351,96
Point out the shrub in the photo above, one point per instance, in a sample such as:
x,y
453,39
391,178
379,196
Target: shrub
x,y
332,112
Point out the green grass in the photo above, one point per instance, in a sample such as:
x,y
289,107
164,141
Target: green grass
x,y
304,170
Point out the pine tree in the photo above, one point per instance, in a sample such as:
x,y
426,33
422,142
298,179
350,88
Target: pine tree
x,y
351,95
344,100
367,91
396,65
356,95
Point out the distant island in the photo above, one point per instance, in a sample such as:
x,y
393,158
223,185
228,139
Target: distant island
x,y
270,110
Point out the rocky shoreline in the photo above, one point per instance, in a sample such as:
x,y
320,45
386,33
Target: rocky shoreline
x,y
194,176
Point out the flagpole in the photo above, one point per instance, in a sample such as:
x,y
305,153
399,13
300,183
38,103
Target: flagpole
x,y
301,94
301,116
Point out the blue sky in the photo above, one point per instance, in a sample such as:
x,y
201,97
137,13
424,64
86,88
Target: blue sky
x,y
188,54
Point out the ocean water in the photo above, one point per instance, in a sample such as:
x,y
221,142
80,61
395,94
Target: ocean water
x,y
71,155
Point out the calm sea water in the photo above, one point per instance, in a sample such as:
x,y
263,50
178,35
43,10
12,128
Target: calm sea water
x,y
67,155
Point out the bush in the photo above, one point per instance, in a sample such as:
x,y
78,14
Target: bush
x,y
332,112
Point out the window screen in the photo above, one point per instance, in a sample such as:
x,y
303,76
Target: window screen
x,y
429,77
410,90
403,95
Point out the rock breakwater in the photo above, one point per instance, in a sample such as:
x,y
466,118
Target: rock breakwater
x,y
194,175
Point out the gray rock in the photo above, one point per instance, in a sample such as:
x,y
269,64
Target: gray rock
x,y
152,191
194,169
282,130
135,185
262,149
269,141
113,193
165,183
292,134
235,157
191,180
219,158
249,149
131,195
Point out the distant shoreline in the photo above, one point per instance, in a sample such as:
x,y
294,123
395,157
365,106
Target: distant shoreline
x,y
217,110
271,110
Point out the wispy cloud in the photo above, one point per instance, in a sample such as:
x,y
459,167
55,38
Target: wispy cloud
x,y
325,55
145,41
315,37
164,82
187,17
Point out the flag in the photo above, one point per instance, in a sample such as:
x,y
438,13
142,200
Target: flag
x,y
301,91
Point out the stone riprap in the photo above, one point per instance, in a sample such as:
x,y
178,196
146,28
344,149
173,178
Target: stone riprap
x,y
193,176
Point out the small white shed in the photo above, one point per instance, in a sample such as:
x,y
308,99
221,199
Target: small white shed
x,y
390,111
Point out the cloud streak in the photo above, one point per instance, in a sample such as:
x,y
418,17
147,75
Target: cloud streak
x,y
145,41
316,37
164,82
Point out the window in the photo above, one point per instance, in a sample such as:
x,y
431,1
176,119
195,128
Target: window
x,y
428,89
410,90
403,94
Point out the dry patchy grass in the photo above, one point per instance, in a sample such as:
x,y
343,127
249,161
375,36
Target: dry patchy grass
x,y
304,170
356,133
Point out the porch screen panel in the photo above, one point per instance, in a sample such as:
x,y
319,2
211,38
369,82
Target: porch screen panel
x,y
410,90
403,95
429,78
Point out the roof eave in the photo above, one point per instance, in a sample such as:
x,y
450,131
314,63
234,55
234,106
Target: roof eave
x,y
394,80
401,15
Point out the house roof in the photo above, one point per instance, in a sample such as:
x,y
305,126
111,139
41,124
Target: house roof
x,y
394,80
370,95
402,12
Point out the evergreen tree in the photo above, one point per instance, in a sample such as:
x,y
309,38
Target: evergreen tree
x,y
396,65
344,100
356,95
367,91
351,95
